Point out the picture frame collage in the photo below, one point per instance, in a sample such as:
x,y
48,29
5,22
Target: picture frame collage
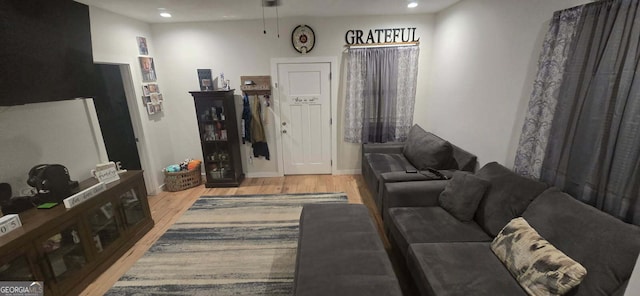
x,y
151,97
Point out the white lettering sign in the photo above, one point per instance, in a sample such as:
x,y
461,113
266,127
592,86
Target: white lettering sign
x,y
9,223
84,195
106,172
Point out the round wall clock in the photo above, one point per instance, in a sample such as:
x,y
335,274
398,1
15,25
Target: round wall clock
x,y
303,39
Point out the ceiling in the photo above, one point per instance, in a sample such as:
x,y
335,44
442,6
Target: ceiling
x,y
218,10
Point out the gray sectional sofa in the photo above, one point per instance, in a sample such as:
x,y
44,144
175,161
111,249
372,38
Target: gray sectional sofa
x,y
447,256
409,161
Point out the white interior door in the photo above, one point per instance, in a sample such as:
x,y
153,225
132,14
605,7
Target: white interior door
x,y
305,125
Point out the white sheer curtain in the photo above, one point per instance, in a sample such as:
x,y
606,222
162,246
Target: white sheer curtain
x,y
544,98
381,91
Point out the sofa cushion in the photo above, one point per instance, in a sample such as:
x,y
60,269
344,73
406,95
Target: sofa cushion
x,y
604,245
426,150
460,269
462,195
508,196
430,225
340,253
539,267
383,163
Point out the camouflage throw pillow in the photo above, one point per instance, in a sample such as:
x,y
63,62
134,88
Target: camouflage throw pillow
x,y
539,267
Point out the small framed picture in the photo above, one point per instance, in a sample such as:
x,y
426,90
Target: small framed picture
x,y
153,88
148,69
154,98
145,90
151,109
142,46
146,100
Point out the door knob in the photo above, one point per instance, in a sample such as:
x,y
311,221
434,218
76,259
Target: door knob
x,y
284,124
284,131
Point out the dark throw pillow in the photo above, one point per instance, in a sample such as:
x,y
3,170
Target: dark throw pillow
x,y
462,195
426,150
508,197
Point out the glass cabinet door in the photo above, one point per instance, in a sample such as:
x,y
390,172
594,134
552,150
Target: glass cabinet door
x,y
16,269
218,161
64,252
132,208
103,226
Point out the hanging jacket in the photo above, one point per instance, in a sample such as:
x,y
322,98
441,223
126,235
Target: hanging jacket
x,y
246,119
257,130
258,138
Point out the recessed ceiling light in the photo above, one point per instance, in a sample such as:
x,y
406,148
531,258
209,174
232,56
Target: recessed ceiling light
x,y
165,14
412,4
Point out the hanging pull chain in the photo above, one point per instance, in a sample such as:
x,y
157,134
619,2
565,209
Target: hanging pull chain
x,y
264,25
277,21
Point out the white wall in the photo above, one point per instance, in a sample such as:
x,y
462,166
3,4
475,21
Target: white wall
x,y
633,289
240,48
485,59
62,132
114,42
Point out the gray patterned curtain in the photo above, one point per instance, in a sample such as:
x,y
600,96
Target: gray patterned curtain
x,y
593,151
542,104
381,90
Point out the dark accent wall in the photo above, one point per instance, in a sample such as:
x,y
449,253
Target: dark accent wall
x,y
45,51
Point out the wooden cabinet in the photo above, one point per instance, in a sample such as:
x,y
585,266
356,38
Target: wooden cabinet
x,y
218,129
68,248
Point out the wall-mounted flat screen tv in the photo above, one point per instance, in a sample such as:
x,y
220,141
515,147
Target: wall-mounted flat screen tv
x,y
46,51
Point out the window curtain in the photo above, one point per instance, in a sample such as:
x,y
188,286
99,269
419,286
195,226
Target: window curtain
x,y
381,90
544,98
594,142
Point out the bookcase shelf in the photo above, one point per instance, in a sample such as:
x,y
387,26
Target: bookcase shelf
x,y
219,137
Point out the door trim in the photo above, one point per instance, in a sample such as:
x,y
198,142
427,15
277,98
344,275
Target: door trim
x,y
333,68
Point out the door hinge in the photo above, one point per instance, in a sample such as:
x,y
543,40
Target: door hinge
x,y
329,75
330,121
276,85
331,162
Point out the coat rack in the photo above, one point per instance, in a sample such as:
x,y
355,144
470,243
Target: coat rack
x,y
256,85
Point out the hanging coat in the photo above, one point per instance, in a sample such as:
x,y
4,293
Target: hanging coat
x,y
246,119
259,140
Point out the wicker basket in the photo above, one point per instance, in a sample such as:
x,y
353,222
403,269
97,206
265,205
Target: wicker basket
x,y
182,180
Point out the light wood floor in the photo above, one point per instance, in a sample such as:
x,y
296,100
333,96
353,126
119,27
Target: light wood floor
x,y
167,207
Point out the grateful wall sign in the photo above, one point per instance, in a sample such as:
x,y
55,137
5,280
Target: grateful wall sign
x,y
381,36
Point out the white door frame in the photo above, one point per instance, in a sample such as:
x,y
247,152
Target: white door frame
x,y
333,64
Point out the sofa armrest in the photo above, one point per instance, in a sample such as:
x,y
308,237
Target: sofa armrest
x,y
401,176
387,148
411,194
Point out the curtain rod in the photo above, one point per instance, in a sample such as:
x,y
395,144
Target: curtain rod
x,y
390,44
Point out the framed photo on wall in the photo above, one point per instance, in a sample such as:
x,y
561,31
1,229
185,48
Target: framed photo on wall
x,y
153,88
148,69
142,45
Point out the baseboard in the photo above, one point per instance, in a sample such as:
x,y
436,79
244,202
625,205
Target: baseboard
x,y
263,175
348,172
157,190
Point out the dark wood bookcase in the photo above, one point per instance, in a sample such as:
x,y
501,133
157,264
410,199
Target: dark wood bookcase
x,y
69,248
218,129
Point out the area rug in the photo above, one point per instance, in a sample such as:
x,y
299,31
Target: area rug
x,y
225,245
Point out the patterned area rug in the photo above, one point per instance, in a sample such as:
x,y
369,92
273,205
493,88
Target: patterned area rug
x,y
225,245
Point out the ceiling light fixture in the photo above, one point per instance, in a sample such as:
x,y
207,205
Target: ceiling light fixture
x,y
164,12
412,4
